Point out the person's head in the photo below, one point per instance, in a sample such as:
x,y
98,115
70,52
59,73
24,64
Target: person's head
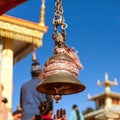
x,y
74,107
36,69
46,108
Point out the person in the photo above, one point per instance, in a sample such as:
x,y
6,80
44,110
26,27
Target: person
x,y
46,110
30,98
60,115
76,114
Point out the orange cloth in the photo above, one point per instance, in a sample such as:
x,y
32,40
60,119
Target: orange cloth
x,y
6,5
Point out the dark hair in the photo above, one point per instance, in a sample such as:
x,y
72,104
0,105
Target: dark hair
x,y
77,111
78,114
35,69
35,73
74,106
46,106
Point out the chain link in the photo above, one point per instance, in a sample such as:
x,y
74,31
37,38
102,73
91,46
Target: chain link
x,y
58,19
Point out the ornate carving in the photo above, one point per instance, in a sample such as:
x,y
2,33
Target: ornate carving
x,y
19,29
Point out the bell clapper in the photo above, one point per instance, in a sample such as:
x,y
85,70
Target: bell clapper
x,y
57,97
58,89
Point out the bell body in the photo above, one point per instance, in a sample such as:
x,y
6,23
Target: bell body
x,y
60,76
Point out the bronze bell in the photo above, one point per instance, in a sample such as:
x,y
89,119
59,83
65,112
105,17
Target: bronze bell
x,y
60,76
61,70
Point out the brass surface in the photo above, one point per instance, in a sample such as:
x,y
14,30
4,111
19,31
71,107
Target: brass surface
x,y
65,83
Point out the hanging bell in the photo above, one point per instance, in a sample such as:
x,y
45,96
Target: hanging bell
x,y
60,76
61,70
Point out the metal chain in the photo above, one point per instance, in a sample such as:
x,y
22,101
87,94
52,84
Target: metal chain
x,y
58,19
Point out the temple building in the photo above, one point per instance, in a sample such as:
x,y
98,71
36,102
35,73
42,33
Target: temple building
x,y
18,38
107,103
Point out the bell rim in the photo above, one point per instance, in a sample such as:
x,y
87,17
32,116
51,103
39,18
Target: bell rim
x,y
75,85
82,88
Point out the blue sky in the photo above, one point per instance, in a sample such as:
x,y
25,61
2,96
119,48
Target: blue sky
x,y
93,30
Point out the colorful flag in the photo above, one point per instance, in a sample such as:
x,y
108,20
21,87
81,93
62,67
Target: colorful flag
x,y
6,5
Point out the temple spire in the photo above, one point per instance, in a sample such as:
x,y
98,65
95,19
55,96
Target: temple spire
x,y
42,14
34,58
107,83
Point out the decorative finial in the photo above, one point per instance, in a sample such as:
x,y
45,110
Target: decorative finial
x,y
106,77
89,96
34,56
98,82
42,13
115,81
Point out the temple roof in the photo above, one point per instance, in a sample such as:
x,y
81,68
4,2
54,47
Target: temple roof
x,y
107,84
26,35
109,110
93,113
101,95
102,114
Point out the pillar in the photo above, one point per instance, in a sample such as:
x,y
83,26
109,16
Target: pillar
x,y
107,106
0,79
7,71
1,46
107,118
